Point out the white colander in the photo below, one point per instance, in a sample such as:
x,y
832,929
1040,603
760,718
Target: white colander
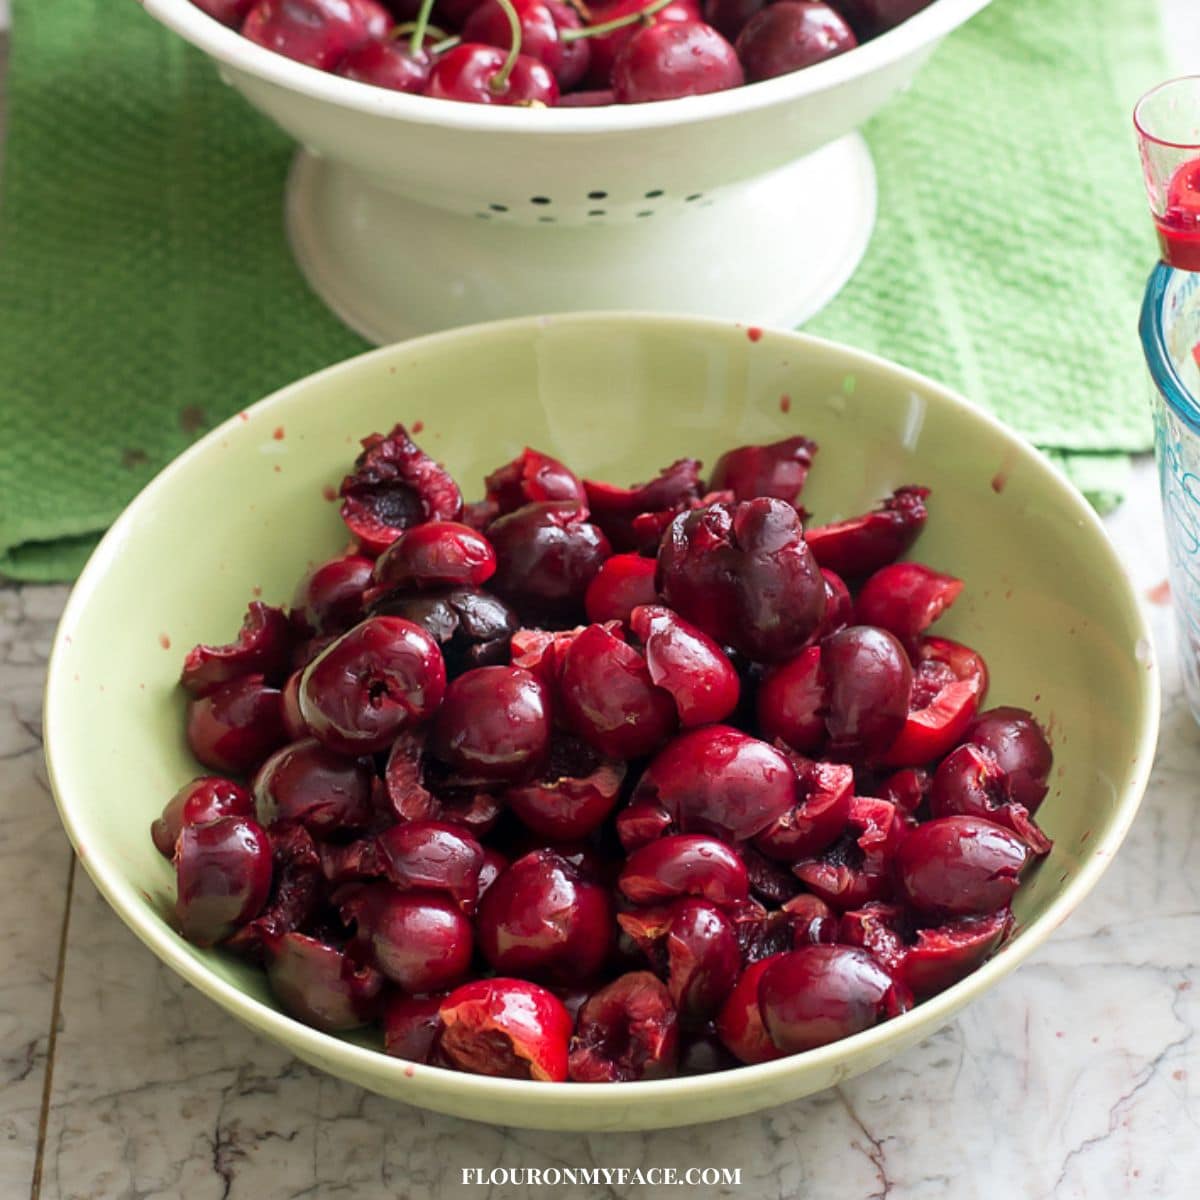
x,y
409,214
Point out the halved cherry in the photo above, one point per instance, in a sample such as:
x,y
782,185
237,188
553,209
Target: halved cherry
x,y
906,598
943,955
622,583
822,811
861,545
262,647
858,867
613,508
739,1023
949,683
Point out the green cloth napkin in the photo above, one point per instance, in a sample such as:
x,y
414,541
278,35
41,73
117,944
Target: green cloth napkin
x,y
146,291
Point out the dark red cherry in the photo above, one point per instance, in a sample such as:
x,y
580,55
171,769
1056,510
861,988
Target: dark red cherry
x,y
623,582
531,478
494,725
960,866
606,46
609,698
433,856
543,919
791,702
320,985
868,680
198,802
237,725
685,864
777,469
687,663
319,33
744,575
223,874
857,547
388,64
870,18
542,22
721,781
969,782
419,940
412,1025
228,12
436,554
859,867
472,627
669,60
627,1030
818,994
839,605
575,793
263,647
293,721
1016,741
471,72
614,509
906,598
943,955
395,485
312,786
382,677
812,921
728,17
329,599
791,35
739,1023
506,1027
297,891
703,959
822,811
547,553
638,824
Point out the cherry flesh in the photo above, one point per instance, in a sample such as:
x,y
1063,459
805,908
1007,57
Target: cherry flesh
x,y
531,478
861,545
237,725
627,1030
615,509
204,799
506,1027
321,986
575,794
623,583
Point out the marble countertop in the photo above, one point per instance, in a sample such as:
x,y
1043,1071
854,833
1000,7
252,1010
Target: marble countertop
x,y
1076,1077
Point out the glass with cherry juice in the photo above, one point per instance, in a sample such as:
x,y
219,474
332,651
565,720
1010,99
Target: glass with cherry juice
x,y
1167,120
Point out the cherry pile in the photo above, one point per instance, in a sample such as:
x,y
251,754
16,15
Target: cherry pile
x,y
602,783
548,52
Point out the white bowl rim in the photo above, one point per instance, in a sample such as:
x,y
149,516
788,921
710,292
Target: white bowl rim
x,y
229,47
609,1098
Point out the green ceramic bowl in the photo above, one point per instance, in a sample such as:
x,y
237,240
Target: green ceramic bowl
x,y
616,396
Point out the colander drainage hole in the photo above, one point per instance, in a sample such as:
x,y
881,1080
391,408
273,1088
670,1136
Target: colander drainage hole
x,y
654,195
692,197
597,195
597,212
539,199
498,207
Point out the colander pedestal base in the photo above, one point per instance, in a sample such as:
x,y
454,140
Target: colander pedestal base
x,y
772,251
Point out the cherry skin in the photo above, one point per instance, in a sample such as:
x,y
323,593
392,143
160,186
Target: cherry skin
x,y
530,478
606,46
868,681
870,18
739,1023
1016,741
506,1027
388,64
542,22
436,554
310,785
234,728
778,470
703,960
320,985
319,33
791,702
789,36
860,545
494,725
623,582
684,864
906,598
667,60
573,796
411,1026
382,677
329,599
223,871
434,856
818,994
198,802
228,12
721,781
960,866
543,920
468,73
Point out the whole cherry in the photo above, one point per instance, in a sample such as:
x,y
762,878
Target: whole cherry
x,y
223,871
480,74
319,33
543,23
668,60
791,35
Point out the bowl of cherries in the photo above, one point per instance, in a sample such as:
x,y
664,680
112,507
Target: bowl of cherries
x,y
601,721
468,160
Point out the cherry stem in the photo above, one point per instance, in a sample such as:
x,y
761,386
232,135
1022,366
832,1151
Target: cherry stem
x,y
499,82
587,31
420,27
442,46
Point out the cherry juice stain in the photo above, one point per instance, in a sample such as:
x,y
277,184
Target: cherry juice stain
x,y
1160,593
329,492
279,433
785,403
164,640
418,427
754,333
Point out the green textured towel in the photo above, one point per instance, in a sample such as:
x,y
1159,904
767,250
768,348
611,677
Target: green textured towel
x,y
146,291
